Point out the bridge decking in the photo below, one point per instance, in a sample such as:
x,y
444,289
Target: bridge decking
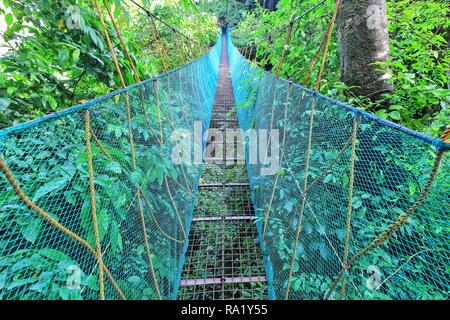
x,y
224,259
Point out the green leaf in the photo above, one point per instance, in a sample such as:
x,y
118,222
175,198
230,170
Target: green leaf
x,y
54,254
76,54
395,115
114,167
134,279
9,19
116,238
52,186
31,230
4,103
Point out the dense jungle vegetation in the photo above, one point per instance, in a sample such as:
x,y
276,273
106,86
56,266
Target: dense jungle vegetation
x,y
57,54
419,35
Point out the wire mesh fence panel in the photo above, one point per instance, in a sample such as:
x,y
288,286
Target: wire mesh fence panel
x,y
356,208
92,202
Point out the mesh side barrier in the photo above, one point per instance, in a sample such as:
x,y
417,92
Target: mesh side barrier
x,y
384,167
41,256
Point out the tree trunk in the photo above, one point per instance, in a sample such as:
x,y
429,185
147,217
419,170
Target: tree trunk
x,y
363,40
448,67
271,5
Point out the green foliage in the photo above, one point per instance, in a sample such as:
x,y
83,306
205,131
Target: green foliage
x,y
419,32
58,55
233,11
55,176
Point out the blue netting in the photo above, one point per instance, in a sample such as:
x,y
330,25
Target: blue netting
x,y
307,199
48,158
303,207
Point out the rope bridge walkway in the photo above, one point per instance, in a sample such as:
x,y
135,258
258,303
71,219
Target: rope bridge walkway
x,y
134,195
224,259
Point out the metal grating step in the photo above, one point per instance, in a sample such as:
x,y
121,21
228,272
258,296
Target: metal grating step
x,y
224,185
198,282
223,201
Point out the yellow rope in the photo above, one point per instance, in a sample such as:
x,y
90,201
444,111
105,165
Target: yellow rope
x,y
313,62
111,48
129,131
350,201
93,205
147,247
277,175
147,120
269,44
308,156
286,43
121,41
327,43
19,192
445,135
100,145
160,43
158,104
177,39
191,49
175,207
305,186
97,141
399,221
318,178
119,71
147,202
266,219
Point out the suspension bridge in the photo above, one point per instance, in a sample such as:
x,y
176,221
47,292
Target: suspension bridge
x,y
345,205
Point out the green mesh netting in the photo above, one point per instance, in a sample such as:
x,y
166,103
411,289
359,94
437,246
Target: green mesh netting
x,y
392,166
48,158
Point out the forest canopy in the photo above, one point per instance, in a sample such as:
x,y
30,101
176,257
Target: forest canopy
x,y
47,64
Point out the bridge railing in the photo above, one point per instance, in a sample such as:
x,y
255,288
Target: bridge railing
x,y
357,207
91,203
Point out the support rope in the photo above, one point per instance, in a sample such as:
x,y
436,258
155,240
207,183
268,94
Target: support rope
x,y
131,140
94,205
308,155
175,207
277,174
147,247
121,41
327,43
286,43
160,43
350,201
399,221
177,40
147,202
44,215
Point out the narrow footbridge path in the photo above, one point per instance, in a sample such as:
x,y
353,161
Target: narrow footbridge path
x,y
224,259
